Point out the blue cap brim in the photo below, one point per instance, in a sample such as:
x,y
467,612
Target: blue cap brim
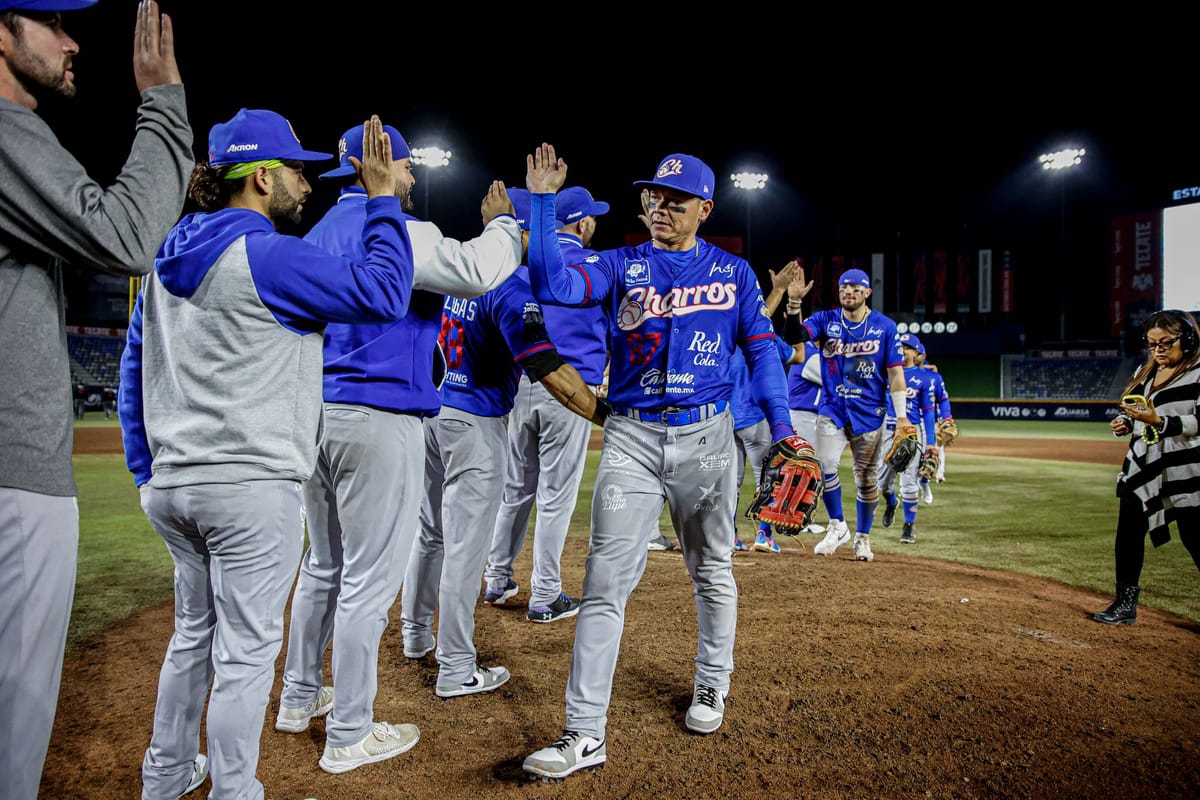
x,y
668,186
46,5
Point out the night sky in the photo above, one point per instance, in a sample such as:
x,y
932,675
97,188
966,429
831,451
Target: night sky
x,y
879,140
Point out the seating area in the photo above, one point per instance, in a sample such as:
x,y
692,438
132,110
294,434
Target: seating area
x,y
1067,378
95,360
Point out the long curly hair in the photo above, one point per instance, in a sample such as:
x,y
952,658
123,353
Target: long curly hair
x,y
1176,323
208,190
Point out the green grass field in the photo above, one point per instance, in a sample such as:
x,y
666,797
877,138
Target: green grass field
x,y
1052,519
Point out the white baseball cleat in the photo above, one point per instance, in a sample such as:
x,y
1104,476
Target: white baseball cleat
x,y
862,547
836,535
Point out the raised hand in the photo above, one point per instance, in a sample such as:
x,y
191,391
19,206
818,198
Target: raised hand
x,y
545,173
496,202
375,169
780,280
646,209
798,289
153,48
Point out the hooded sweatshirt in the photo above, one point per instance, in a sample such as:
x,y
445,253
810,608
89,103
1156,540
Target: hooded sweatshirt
x,y
221,374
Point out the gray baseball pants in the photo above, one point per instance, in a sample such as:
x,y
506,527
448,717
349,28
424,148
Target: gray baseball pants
x,y
547,450
464,480
39,542
691,468
236,548
362,504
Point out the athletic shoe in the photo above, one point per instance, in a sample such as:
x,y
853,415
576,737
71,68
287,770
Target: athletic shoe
x,y
295,720
383,742
484,679
889,514
836,535
927,492
812,527
862,547
498,595
561,608
765,544
660,542
412,650
199,773
707,711
941,479
908,536
738,546
572,752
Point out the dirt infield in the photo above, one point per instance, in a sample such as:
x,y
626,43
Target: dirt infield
x,y
897,679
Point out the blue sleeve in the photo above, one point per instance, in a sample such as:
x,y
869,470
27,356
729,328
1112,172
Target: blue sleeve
x,y
129,401
758,339
943,400
306,286
927,413
519,318
552,282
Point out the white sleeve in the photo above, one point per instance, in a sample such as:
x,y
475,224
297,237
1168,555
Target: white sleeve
x,y
464,269
812,369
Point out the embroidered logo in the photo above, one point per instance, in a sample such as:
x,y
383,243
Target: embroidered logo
x,y
612,498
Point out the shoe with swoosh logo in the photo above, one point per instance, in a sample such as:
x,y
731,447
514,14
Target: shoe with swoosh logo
x,y
483,679
572,752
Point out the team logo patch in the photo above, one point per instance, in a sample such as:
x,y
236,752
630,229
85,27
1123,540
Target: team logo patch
x,y
715,461
709,497
616,459
612,498
637,272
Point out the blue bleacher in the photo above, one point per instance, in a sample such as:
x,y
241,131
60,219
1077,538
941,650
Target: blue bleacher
x,y
95,360
1065,379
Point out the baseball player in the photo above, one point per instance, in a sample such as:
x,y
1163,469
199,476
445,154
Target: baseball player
x,y
485,341
752,438
943,412
921,405
862,366
547,443
364,497
677,307
52,213
220,408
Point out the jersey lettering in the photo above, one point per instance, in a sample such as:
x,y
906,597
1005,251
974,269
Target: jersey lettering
x,y
642,347
642,303
451,339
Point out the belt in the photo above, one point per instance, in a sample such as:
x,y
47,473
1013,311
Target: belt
x,y
671,415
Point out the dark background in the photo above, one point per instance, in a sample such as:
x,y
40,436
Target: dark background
x,y
896,134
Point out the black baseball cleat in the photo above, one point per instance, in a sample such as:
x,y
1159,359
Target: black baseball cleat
x,y
909,536
889,514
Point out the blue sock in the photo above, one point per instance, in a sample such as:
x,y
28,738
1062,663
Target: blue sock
x,y
910,511
866,515
833,503
890,499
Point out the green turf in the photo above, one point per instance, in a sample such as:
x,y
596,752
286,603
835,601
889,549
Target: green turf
x,y
1053,519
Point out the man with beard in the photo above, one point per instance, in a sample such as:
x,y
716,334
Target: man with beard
x,y
220,407
363,500
52,213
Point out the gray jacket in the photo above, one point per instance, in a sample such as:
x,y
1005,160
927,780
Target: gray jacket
x,y
52,213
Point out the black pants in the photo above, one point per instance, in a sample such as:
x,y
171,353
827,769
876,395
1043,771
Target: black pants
x,y
1132,526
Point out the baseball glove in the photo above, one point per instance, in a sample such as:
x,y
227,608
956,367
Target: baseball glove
x,y
947,432
789,486
906,445
927,467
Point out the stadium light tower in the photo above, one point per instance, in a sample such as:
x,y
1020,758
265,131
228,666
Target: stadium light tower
x,y
431,156
749,182
1061,162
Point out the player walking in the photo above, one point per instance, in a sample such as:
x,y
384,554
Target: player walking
x,y
547,443
380,381
677,306
920,406
862,365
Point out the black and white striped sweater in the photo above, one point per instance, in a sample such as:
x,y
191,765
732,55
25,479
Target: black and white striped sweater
x,y
1165,475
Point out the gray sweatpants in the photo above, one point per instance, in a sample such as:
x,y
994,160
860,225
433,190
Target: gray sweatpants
x,y
547,450
464,478
236,547
692,468
362,504
39,543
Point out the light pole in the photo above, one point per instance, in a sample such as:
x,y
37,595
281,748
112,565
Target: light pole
x,y
749,182
431,156
1061,161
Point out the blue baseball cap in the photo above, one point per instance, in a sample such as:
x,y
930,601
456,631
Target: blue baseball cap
x,y
522,206
574,203
911,340
856,277
684,173
45,5
351,145
256,135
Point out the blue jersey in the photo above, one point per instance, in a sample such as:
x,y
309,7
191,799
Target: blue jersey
x,y
580,334
675,318
485,339
805,394
395,366
939,393
857,357
743,405
920,401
